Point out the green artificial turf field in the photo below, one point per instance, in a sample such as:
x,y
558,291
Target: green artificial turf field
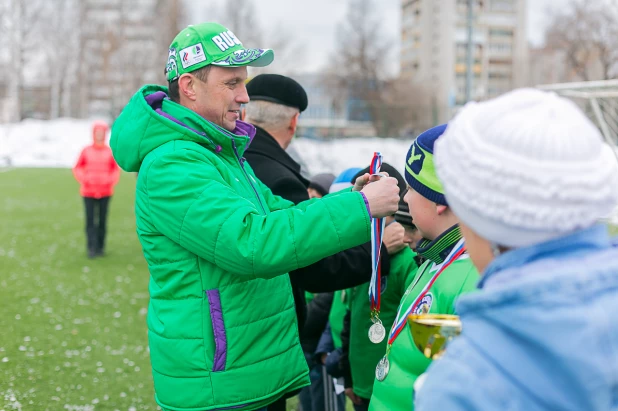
x,y
72,330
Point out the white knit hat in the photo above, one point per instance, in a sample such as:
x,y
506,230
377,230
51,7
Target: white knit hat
x,y
526,167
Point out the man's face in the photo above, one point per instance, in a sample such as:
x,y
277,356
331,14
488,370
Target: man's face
x,y
219,98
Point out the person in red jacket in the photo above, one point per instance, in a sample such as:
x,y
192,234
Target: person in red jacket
x,y
97,173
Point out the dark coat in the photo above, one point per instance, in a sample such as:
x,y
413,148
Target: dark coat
x,y
317,319
349,268
274,166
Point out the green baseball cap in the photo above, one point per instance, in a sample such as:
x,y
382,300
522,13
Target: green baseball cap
x,y
211,43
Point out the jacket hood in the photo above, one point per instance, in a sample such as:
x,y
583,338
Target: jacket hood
x,y
99,125
528,315
143,126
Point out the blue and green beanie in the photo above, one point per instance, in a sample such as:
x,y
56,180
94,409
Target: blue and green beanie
x,y
420,169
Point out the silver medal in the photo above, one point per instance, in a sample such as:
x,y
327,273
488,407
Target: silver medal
x,y
382,369
377,332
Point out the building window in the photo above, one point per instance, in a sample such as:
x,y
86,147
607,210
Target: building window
x,y
500,33
500,48
502,5
500,76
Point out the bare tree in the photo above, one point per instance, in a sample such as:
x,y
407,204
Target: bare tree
x,y
588,33
357,71
405,108
173,13
62,39
241,17
29,36
289,53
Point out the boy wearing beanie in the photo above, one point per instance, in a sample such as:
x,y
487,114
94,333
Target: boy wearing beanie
x,y
528,175
445,274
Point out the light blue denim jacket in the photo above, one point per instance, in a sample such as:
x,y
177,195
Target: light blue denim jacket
x,y
541,334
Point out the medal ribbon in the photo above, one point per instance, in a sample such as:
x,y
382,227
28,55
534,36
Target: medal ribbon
x,y
400,322
377,231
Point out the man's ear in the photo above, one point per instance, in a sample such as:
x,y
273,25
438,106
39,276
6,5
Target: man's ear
x,y
294,123
441,209
186,87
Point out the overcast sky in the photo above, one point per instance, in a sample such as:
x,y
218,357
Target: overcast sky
x,y
314,22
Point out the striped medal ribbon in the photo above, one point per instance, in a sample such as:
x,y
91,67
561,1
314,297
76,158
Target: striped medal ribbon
x,y
400,321
377,332
383,366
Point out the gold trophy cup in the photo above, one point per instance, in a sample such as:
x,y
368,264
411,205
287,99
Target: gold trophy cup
x,y
432,332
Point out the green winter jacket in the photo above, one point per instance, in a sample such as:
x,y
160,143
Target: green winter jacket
x,y
221,321
396,392
365,355
337,312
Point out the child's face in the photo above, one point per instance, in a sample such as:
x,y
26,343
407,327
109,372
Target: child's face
x,y
313,193
411,237
424,213
479,249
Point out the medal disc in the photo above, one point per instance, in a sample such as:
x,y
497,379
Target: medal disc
x,y
377,332
382,369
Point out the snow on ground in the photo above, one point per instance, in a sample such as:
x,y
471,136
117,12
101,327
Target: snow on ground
x,y
337,155
57,143
38,143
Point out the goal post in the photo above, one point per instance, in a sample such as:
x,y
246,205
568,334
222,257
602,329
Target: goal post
x,y
598,99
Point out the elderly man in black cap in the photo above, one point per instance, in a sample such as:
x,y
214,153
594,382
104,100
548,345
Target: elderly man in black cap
x,y
274,109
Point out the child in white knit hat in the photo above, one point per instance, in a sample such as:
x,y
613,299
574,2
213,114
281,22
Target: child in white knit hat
x,y
529,176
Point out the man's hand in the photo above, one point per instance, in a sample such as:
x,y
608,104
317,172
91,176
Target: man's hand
x,y
393,238
365,179
382,196
349,392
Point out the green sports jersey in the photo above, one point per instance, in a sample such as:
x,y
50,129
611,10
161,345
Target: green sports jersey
x,y
364,355
337,312
406,362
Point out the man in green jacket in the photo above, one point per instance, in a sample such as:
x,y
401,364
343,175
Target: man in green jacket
x,y
221,320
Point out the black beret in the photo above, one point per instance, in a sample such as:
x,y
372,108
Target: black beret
x,y
278,89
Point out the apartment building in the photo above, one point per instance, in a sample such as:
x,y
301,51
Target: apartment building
x,y
434,46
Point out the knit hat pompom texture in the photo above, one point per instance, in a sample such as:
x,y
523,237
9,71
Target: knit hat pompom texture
x,y
526,167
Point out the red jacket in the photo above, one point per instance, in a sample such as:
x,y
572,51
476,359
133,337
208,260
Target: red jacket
x,y
96,170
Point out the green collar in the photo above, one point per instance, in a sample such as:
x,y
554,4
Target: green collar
x,y
438,249
218,135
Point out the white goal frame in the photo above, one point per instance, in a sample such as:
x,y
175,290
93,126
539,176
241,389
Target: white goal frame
x,y
599,99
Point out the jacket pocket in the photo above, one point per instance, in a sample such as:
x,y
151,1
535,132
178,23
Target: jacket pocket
x,y
218,329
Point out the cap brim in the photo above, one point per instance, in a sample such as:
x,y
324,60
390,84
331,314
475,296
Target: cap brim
x,y
247,57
